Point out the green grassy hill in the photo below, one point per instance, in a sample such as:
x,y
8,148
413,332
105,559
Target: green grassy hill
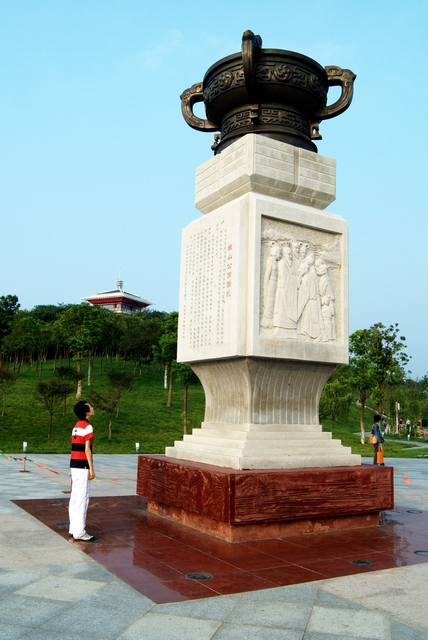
x,y
144,417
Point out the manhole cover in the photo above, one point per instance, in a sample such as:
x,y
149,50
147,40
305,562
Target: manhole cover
x,y
199,576
62,524
421,553
413,511
56,504
363,563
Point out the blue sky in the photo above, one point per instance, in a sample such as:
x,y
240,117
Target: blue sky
x,y
97,165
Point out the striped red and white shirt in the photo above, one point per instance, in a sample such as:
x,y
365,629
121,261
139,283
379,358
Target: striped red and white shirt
x,y
82,432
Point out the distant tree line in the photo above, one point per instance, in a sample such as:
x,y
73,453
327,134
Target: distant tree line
x,y
70,332
66,334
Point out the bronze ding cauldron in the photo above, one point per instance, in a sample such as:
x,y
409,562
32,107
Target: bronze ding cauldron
x,y
279,94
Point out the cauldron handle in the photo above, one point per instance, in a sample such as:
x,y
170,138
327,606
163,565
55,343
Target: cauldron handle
x,y
338,77
188,99
251,46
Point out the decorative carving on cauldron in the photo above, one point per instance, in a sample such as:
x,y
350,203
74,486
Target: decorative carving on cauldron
x,y
279,94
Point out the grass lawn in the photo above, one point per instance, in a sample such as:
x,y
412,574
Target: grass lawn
x,y
144,418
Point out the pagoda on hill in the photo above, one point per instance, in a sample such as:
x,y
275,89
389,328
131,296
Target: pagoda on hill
x,y
118,300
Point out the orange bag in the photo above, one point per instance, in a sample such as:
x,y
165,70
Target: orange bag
x,y
379,456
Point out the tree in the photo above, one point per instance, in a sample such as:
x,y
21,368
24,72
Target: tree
x,y
412,401
140,334
131,338
111,335
187,376
377,362
7,380
31,336
107,403
58,342
68,377
95,319
412,396
42,340
80,327
19,341
150,336
336,397
50,394
388,358
48,312
122,382
150,314
166,352
360,370
8,308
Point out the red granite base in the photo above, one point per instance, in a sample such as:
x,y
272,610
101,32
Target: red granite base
x,y
262,531
251,505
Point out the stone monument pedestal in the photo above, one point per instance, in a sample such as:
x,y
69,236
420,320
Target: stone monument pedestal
x,y
237,505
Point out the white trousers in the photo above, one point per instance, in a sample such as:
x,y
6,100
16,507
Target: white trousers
x,y
79,501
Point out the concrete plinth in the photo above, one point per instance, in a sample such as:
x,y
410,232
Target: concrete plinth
x,y
250,505
262,414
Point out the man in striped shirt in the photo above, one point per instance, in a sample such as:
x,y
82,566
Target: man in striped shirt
x,y
82,471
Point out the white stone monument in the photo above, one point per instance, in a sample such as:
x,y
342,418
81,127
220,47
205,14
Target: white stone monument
x,y
263,317
264,313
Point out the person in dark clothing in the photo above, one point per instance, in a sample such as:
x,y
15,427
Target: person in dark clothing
x,y
377,432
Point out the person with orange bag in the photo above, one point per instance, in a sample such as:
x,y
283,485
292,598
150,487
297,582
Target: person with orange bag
x,y
379,441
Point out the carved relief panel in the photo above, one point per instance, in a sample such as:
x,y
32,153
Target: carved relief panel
x,y
300,288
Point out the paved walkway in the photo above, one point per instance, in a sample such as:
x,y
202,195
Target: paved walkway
x,y
50,590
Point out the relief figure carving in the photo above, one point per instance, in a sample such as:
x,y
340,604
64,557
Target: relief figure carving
x,y
295,247
270,285
327,300
309,304
286,300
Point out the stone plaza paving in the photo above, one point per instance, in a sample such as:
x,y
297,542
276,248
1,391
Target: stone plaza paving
x,y
50,588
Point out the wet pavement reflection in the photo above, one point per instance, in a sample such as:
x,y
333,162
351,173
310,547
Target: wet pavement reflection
x,y
155,555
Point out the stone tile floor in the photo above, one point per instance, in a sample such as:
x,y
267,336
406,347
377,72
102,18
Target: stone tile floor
x,y
154,555
49,588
